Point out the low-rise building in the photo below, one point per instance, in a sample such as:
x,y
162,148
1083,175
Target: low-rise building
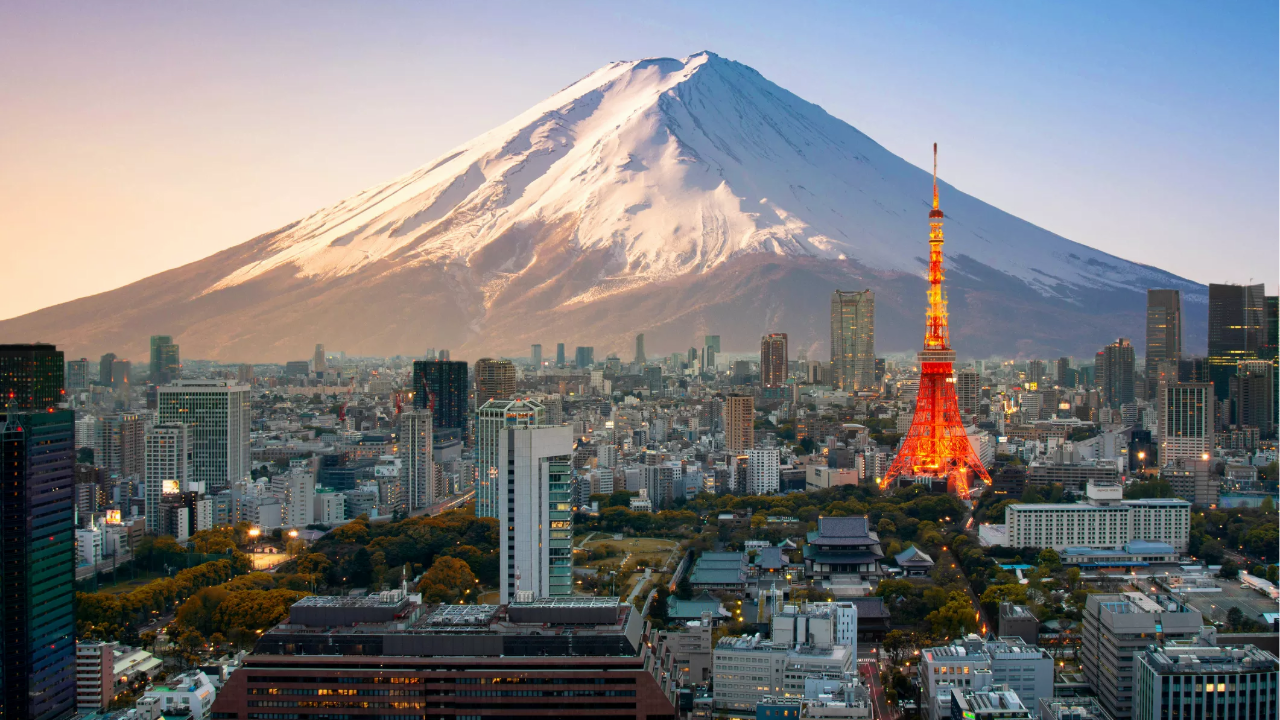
x,y
974,664
191,691
843,549
1105,520
1018,621
996,703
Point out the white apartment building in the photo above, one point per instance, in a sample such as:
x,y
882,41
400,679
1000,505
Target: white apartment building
x,y
763,471
166,468
218,415
492,419
296,490
531,475
608,456
1185,420
1104,521
330,507
191,691
87,432
974,664
415,446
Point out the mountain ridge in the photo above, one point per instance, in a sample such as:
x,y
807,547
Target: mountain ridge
x,y
639,178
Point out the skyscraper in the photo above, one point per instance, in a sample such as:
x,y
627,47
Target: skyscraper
x,y
31,376
713,342
491,419
773,360
535,523
853,340
1184,424
1271,347
640,359
584,357
165,363
494,379
1114,367
1236,331
319,364
535,355
441,387
739,423
121,373
37,555
104,369
217,413
167,468
559,355
77,374
416,463
1164,333
1035,371
1253,396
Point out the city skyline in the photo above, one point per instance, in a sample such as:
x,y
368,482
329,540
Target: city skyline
x,y
1191,175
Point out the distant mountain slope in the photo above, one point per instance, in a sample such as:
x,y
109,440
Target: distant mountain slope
x,y
671,197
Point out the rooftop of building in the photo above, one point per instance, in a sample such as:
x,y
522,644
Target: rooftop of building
x,y
1074,708
1016,611
1214,660
1136,603
989,700
913,556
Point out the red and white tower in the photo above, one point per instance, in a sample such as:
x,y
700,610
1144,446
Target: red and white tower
x,y
936,445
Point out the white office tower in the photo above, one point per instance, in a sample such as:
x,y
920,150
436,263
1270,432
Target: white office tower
x,y
330,507
217,412
492,419
763,470
532,476
166,468
87,432
297,492
417,464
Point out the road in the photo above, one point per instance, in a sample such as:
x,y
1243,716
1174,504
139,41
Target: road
x,y
871,674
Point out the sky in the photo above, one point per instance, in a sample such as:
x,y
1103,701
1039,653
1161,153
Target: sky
x,y
137,137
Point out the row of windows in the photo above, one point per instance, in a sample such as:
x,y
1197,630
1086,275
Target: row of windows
x,y
329,691
546,693
403,705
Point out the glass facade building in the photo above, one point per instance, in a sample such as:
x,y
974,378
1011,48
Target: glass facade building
x,y
853,340
218,417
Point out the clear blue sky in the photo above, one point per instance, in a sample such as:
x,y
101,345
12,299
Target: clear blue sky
x,y
139,136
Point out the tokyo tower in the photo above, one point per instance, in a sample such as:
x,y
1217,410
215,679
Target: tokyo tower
x,y
936,445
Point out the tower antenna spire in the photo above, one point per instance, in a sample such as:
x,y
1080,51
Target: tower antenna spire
x,y
935,176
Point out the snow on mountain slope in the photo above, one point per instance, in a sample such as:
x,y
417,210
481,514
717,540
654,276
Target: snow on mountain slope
x,y
675,167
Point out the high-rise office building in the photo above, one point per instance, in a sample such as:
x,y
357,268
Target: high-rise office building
x,y
37,556
416,463
165,363
1253,396
1271,346
1206,683
121,373
773,360
559,355
535,511
1114,367
739,423
1236,331
654,376
1062,372
78,374
31,376
441,387
535,355
640,359
1164,332
120,447
584,357
968,390
217,413
105,364
491,418
319,364
1035,371
494,379
713,342
1184,422
167,469
853,340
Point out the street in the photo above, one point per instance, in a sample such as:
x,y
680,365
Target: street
x,y
880,706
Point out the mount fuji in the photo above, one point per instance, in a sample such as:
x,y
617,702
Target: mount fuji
x,y
673,197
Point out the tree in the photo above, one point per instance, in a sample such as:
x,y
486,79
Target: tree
x,y
955,618
1235,617
197,612
1050,560
684,588
1230,570
449,580
313,564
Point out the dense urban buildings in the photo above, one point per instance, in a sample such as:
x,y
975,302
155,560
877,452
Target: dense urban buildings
x,y
853,340
165,366
37,457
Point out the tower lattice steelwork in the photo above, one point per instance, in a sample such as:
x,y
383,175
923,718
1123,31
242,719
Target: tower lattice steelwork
x,y
936,445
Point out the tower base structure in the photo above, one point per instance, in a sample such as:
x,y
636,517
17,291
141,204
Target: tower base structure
x,y
936,446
